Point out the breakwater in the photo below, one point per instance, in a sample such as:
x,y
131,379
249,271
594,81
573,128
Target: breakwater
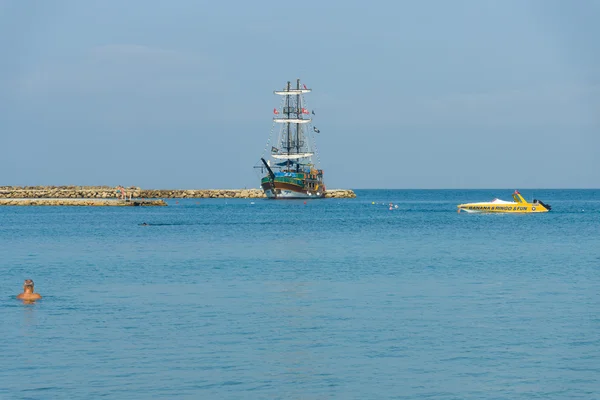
x,y
108,192
230,194
82,202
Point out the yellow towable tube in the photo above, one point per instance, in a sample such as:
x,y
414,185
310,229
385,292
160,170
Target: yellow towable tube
x,y
519,205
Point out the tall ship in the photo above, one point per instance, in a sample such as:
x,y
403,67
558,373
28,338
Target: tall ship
x,y
289,171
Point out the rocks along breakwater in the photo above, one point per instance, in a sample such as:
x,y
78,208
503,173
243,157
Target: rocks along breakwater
x,y
82,202
108,192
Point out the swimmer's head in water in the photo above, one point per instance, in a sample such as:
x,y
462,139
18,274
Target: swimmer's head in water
x,y
28,285
28,294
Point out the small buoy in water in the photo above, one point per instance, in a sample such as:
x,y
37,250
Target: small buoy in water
x,y
396,206
176,202
251,202
391,208
304,202
372,202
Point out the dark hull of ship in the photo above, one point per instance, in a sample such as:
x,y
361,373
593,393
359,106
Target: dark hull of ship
x,y
290,191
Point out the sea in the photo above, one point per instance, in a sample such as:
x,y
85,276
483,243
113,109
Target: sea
x,y
323,299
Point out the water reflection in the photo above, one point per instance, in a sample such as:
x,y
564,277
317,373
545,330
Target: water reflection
x,y
29,316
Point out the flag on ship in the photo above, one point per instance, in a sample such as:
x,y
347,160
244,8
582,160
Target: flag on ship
x,y
275,111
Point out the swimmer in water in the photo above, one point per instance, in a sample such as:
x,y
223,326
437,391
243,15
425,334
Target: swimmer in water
x,y
144,224
28,294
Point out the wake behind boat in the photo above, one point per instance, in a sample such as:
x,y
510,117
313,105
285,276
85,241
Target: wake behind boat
x,y
290,170
519,205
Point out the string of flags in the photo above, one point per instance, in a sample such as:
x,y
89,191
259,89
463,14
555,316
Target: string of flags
x,y
315,146
268,140
272,129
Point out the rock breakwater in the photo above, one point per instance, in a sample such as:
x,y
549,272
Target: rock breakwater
x,y
227,194
63,192
81,202
107,192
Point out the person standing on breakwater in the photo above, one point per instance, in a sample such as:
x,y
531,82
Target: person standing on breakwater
x,y
121,194
28,294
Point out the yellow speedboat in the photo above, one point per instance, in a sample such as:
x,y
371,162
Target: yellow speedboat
x,y
519,205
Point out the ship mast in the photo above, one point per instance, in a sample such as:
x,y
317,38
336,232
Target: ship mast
x,y
298,128
292,114
287,113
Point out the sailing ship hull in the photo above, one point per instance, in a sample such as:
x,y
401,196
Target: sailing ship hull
x,y
284,190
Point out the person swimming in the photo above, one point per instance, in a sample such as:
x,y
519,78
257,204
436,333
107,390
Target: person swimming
x,y
28,294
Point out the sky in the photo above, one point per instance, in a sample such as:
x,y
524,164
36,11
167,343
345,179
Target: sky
x,y
407,94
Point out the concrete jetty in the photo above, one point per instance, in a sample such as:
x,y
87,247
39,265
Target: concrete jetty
x,y
110,193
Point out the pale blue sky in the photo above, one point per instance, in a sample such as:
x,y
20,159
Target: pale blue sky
x,y
421,94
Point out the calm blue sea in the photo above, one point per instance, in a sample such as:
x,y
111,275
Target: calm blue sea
x,y
344,299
